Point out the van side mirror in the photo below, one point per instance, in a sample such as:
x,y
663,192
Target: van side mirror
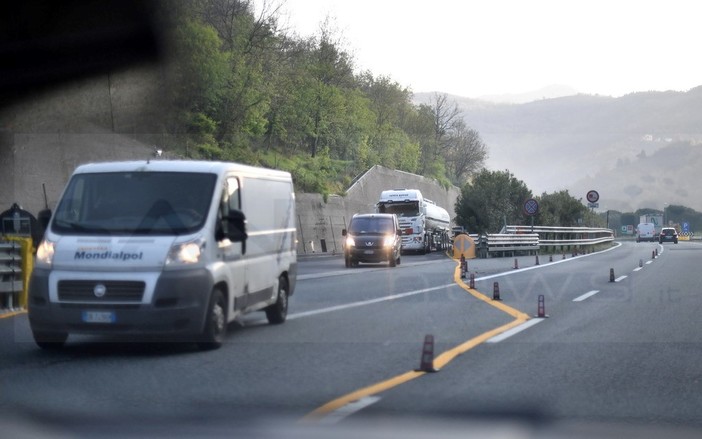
x,y
236,228
44,216
344,232
398,232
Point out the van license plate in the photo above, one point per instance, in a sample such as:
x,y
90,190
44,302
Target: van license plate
x,y
369,252
99,317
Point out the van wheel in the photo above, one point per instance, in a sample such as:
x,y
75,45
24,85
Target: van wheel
x,y
392,262
50,340
347,261
216,324
277,312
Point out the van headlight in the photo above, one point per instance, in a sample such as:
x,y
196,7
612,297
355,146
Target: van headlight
x,y
45,253
186,253
389,241
350,242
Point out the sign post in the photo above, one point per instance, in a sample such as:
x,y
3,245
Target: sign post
x,y
592,198
531,208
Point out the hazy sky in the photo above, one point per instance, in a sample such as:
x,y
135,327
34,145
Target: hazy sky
x,y
473,48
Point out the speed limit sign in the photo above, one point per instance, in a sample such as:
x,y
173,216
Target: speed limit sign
x,y
593,196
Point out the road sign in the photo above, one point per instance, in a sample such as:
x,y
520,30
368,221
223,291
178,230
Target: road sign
x,y
593,196
531,207
463,245
593,205
686,227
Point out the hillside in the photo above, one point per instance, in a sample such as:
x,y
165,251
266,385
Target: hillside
x,y
639,150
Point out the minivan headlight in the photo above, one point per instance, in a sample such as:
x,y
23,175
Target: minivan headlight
x,y
350,242
388,241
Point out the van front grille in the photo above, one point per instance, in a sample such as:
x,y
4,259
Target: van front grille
x,y
114,290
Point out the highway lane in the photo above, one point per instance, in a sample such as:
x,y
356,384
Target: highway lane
x,y
630,353
292,367
350,328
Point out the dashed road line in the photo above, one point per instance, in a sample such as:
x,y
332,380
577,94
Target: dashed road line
x,y
516,330
586,295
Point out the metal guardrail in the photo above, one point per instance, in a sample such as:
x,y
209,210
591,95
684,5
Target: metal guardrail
x,y
504,242
514,239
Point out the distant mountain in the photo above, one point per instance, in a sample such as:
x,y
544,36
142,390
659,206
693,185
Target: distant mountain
x,y
640,150
549,92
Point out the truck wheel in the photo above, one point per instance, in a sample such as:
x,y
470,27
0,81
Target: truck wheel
x,y
216,324
277,312
50,340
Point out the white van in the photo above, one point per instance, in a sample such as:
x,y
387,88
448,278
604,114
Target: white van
x,y
646,232
173,249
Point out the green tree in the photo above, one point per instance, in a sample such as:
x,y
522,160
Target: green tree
x,y
560,209
490,200
388,143
239,88
465,153
195,82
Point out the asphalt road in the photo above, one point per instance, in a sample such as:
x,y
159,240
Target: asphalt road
x,y
623,351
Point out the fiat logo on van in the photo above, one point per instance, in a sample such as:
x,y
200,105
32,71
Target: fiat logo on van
x,y
100,290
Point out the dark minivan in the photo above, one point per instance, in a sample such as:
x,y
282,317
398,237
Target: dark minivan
x,y
373,237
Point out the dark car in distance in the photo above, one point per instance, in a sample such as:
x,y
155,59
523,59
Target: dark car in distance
x,y
668,234
372,237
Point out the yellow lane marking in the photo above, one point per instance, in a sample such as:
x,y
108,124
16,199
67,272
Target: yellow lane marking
x,y
499,305
376,388
13,313
440,361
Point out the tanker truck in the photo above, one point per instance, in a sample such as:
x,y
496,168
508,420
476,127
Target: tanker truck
x,y
425,226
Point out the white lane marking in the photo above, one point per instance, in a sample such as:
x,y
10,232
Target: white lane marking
x,y
348,410
410,293
586,295
561,261
349,271
367,302
620,278
506,273
649,262
638,268
516,330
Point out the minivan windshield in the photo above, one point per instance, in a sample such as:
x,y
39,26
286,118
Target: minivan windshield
x,y
364,225
135,203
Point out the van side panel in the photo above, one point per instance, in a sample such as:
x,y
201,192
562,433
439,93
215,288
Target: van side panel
x,y
269,206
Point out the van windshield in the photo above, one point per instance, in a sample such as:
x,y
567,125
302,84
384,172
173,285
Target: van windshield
x,y
135,203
